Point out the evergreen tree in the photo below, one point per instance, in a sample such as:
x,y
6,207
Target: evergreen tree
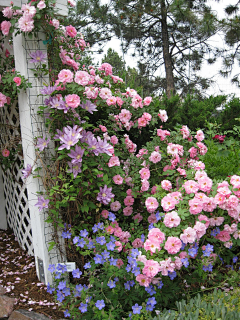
x,y
170,35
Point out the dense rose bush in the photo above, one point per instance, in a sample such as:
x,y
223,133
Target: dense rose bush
x,y
142,219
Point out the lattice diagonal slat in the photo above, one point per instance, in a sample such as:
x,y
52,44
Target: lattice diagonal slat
x,y
16,204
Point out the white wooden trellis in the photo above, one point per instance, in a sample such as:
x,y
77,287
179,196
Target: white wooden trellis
x,y
22,215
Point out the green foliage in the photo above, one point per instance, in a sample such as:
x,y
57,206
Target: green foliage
x,y
217,305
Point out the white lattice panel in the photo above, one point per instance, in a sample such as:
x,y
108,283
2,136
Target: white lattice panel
x,y
16,204
15,192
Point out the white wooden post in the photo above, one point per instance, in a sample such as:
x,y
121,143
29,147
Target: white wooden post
x,y
32,126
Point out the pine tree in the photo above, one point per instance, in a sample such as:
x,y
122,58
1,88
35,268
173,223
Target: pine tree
x,y
169,37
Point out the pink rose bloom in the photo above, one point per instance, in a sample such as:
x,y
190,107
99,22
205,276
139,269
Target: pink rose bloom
x,y
119,262
26,23
17,80
234,180
137,243
193,152
181,171
155,157
118,179
190,186
151,245
152,218
129,192
145,173
189,235
200,229
166,185
172,219
183,254
71,31
72,100
196,206
145,185
185,132
162,134
105,93
127,211
199,136
156,234
128,201
103,128
168,203
143,280
223,236
163,115
205,184
41,5
105,214
200,174
142,122
173,245
151,268
82,78
115,206
117,231
5,153
202,148
202,217
232,202
65,76
178,263
147,101
216,221
209,204
55,23
114,161
124,237
151,204
111,101
7,12
5,27
118,245
154,190
107,68
138,217
167,266
109,229
3,99
147,116
114,140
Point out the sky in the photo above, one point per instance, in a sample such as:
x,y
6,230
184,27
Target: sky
x,y
221,86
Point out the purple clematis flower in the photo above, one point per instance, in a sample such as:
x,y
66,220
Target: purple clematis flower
x,y
104,146
74,168
70,138
42,143
26,172
76,155
42,203
38,56
89,106
105,195
48,90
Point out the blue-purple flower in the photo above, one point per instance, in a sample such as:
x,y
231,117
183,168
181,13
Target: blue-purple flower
x,y
105,195
100,304
136,309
